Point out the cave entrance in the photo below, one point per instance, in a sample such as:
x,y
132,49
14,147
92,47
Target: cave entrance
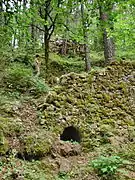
x,y
71,134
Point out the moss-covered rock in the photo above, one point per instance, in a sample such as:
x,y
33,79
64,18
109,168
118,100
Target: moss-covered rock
x,y
36,144
10,130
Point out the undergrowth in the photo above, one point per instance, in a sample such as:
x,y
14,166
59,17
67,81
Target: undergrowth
x,y
20,78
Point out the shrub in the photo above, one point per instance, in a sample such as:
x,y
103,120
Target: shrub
x,y
20,78
22,58
13,168
38,86
106,167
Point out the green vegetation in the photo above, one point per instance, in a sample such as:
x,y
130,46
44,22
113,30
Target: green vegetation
x,y
63,176
104,114
107,166
67,63
12,168
20,78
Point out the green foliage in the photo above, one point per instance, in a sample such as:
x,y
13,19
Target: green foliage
x,y
107,166
8,128
67,64
12,168
62,176
39,86
124,26
126,55
33,171
5,37
22,57
20,78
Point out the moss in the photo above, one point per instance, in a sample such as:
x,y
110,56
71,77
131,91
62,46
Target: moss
x,y
99,96
91,78
128,151
9,126
106,97
3,144
106,130
123,87
58,89
57,104
109,121
129,121
100,103
37,144
4,125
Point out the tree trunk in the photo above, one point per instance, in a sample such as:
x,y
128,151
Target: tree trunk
x,y
64,47
14,40
24,4
32,28
46,33
87,58
85,37
109,50
46,46
33,35
1,15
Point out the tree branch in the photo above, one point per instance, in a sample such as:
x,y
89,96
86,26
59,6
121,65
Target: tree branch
x,y
38,28
67,28
52,26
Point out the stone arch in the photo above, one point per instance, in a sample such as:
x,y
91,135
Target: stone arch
x,y
71,133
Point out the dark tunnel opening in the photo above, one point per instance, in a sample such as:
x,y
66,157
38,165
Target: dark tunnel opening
x,y
71,134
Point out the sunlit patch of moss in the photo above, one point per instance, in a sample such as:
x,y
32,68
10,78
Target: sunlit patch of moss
x,y
123,87
9,126
109,121
106,97
37,145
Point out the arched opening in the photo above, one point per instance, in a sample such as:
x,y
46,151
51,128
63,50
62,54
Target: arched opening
x,y
71,134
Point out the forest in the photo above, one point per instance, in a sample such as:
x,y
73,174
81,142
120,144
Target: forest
x,y
67,89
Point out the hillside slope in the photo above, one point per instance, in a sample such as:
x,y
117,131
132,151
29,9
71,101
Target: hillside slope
x,y
101,104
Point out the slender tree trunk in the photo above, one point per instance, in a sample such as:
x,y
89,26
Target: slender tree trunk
x,y
14,40
1,15
74,46
64,47
24,4
33,35
32,28
86,47
46,33
5,15
46,46
109,50
1,7
32,32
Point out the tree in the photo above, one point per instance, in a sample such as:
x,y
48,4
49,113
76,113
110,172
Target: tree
x,y
85,36
46,14
105,10
124,26
76,28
